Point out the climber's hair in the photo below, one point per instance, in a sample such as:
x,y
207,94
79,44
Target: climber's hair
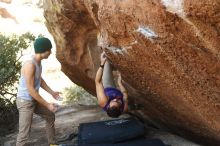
x,y
113,112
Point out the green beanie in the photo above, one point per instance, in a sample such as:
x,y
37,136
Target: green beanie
x,y
42,45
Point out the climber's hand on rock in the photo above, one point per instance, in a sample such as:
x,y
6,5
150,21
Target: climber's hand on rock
x,y
103,58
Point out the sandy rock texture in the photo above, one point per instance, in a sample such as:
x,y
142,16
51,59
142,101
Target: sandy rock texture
x,y
6,1
166,50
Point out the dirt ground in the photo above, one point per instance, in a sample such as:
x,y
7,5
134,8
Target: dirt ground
x,y
68,119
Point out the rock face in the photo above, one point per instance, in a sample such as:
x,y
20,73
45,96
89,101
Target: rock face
x,y
5,14
6,1
166,50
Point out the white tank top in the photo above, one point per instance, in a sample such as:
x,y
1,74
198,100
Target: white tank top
x,y
22,88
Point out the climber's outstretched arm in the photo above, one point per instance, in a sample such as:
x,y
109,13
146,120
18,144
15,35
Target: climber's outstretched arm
x,y
102,99
124,92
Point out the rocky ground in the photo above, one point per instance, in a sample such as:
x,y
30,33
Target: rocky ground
x,y
67,120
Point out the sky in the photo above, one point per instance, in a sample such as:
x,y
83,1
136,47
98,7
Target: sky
x,y
26,16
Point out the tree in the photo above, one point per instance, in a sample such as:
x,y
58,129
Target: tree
x,y
11,48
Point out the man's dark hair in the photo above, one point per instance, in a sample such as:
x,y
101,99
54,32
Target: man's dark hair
x,y
113,112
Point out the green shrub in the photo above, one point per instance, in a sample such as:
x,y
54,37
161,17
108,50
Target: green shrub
x,y
78,95
11,48
8,117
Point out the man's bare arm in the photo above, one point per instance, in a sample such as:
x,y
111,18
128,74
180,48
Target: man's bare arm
x,y
45,86
102,99
29,73
124,92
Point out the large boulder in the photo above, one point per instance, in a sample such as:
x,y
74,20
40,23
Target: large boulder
x,y
6,1
5,14
167,52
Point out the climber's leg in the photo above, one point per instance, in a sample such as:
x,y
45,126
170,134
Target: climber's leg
x,y
107,78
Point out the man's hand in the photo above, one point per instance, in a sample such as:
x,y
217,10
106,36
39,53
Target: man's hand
x,y
52,107
56,94
103,58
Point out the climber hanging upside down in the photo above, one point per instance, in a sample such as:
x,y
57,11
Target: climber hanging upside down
x,y
112,100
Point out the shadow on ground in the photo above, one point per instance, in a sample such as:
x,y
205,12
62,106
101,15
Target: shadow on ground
x,y
68,119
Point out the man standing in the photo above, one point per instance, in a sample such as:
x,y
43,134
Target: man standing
x,y
29,100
